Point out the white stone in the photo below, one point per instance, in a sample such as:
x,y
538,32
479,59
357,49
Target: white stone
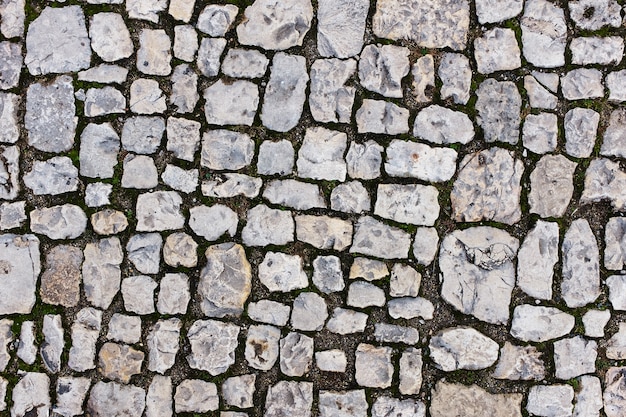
x,y
9,129
538,95
455,73
296,194
551,186
146,97
418,160
340,27
31,395
373,367
382,68
183,137
330,99
158,211
595,14
262,346
441,125
213,345
85,332
497,50
159,397
174,294
59,222
581,265
104,74
321,155
101,271
139,172
581,127
539,134
333,360
425,245
616,83
423,73
363,294
519,363
138,294
550,400
536,259
588,399
574,356
184,94
209,54
595,321
283,273
544,34
582,83
57,175
462,348
411,203
269,312
350,197
614,138
215,20
145,9
604,180
180,179
597,50
226,149
213,222
493,11
324,232
110,38
344,321
498,106
266,226
71,393
181,9
125,329
238,391
185,43
244,63
163,344
539,324
196,395
383,117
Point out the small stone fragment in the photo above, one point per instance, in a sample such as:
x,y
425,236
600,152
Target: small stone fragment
x,y
341,27
104,74
119,362
418,160
344,321
181,9
449,399
11,60
604,180
350,197
423,73
174,294
411,371
582,83
159,397
363,294
330,99
378,116
497,50
581,126
6,337
85,332
368,269
269,312
538,324
262,346
213,222
538,95
321,155
616,83
617,286
110,38
345,403
146,97
109,222
138,294
285,91
519,363
20,267
60,282
179,179
101,271
244,63
12,215
333,360
574,357
456,75
111,398
184,89
71,393
267,226
59,222
103,101
213,345
9,129
125,329
180,250
539,134
373,366
215,20
31,396
144,251
296,354
595,14
26,349
183,137
550,400
309,312
615,239
53,344
145,9
595,321
295,194
327,274
142,134
614,138
498,106
581,265
410,308
163,344
374,238
551,186
185,43
154,56
158,211
238,391
441,125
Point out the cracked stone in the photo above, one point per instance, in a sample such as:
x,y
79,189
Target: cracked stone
x,y
538,95
163,344
146,97
539,324
110,38
324,232
213,345
119,362
125,329
373,366
144,251
101,271
536,259
9,129
539,134
340,27
382,68
363,160
544,34
174,294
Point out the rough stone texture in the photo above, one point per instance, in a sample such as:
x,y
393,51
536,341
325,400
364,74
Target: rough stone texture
x,y
244,63
343,403
159,397
333,360
125,329
9,129
374,238
538,95
588,400
295,194
163,344
551,185
423,73
9,167
616,83
180,179
85,332
614,380
488,187
98,194
538,324
213,222
238,391
267,226
143,134
6,337
57,42
51,115
324,232
60,282
71,393
309,312
146,97
185,43
144,251
31,395
595,321
595,14
413,204
104,73
225,281
101,271
232,185
574,357
296,354
478,272
457,399
493,11
184,89
462,348
102,101
138,294
368,269
269,312
340,27
145,9
614,139
110,38
597,50
411,371
344,321
174,294
26,349
11,60
261,350
550,400
140,172
456,75
330,100
285,91
544,34
441,125
519,363
158,211
327,274
213,345
215,20
282,272
539,134
381,69
604,180
350,197
276,25
59,222
13,17
582,83
111,398
383,117
231,104
180,250
99,145
225,149
287,398
373,366
154,55
385,406
363,294
363,160
119,362
498,106
432,24
53,344
616,285
536,259
581,265
615,239
183,137
581,126
404,282
321,155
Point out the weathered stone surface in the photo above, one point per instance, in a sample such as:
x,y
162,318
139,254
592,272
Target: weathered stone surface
x,y
140,172
617,285
26,349
6,337
262,346
163,344
146,97
456,76
31,395
231,104
321,155
282,272
538,95
536,259
488,187
209,55
226,280
595,14
13,16
378,116
275,158
238,391
289,398
101,271
231,185
497,50
538,324
582,83
519,363
185,43
368,269
158,211
181,9
179,179
12,215
324,232
382,68
225,149
244,63
581,265
53,344
59,222
430,23
309,312
539,133
159,397
275,26
183,137
145,9
350,197
85,332
111,398
330,100
604,180
50,117
425,245
597,50
213,345
363,294
213,222
550,400
478,272
373,366
341,27
374,238
184,89
10,64
391,333
344,321
333,360
388,406
109,222
462,348
327,274
423,73
342,404
614,139
270,312
174,294
574,357
411,307
616,83
441,125
544,34
99,145
295,194
449,399
493,11
267,226
415,204
588,399
215,20
595,321
615,239
71,393
105,74
60,282
296,354
138,294
404,282
110,38
143,134
144,251
125,329
19,268
285,92
614,381
154,54
119,362
9,129
363,160
498,106
551,185
581,126
103,101
57,42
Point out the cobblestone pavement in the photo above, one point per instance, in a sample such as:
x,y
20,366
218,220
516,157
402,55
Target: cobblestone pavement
x,y
337,208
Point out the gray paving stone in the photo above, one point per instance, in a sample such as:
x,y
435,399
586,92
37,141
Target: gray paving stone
x,y
159,211
597,50
581,127
330,99
31,395
55,176
159,397
145,10
183,137
412,203
110,38
185,43
6,337
124,328
267,226
104,74
363,294
333,360
551,186
344,321
295,194
382,68
269,312
138,294
71,393
616,83
231,185
392,333
341,27
11,60
342,403
327,274
350,197
12,215
582,83
544,34
595,14
67,221
538,324
101,271
581,264
119,362
462,348
174,294
262,347
373,366
110,398
539,134
383,117
289,398
26,348
574,356
226,150
238,391
180,250
85,332
296,354
146,97
280,272
536,259
493,11
418,160
53,345
215,20
324,232
550,400
139,172
321,155
213,222
410,308
519,363
375,238
538,95
441,125
163,344
498,106
13,16
103,101
179,179
213,345
209,56
244,63
9,129
456,75
9,164
368,269
184,89
449,398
